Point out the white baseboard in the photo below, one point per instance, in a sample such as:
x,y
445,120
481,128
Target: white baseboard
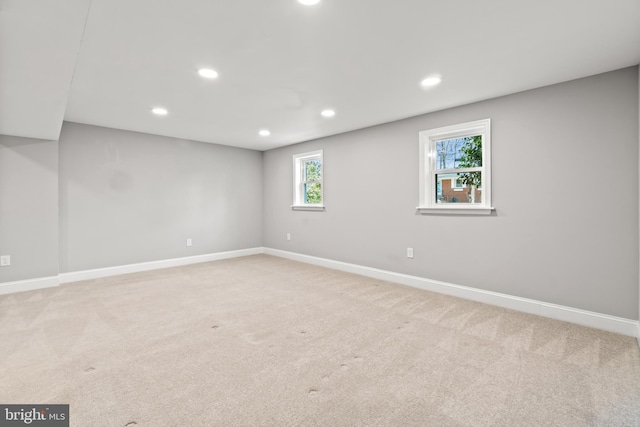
x,y
76,276
568,314
98,273
29,285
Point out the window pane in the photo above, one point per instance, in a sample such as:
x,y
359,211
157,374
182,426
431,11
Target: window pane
x,y
447,192
313,193
313,170
459,153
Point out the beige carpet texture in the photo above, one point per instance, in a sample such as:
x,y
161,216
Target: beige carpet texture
x,y
264,341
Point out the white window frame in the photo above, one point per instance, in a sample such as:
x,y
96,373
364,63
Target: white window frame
x,y
456,187
428,170
298,181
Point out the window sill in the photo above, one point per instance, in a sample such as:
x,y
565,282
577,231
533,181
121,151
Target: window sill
x,y
459,210
307,208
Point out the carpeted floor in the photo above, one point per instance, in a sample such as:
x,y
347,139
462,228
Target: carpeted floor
x,y
263,341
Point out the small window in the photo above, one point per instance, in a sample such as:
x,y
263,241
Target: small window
x,y
459,184
455,173
307,181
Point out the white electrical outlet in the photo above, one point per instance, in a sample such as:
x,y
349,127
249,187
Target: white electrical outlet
x,y
288,236
189,242
409,252
5,260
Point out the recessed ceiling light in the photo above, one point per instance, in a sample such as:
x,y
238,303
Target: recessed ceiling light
x,y
208,73
264,132
431,81
328,113
160,111
309,2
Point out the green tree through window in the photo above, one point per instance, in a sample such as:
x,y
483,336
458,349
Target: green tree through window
x,y
307,181
455,169
313,181
471,158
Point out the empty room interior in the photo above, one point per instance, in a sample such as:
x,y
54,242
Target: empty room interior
x,y
320,213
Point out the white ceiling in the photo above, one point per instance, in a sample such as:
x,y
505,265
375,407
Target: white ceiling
x,y
108,62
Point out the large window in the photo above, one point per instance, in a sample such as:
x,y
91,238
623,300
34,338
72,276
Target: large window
x,y
455,169
307,181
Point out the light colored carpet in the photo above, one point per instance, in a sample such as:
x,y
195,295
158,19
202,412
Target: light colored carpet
x,y
263,341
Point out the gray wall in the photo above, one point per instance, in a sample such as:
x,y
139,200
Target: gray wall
x,y
565,170
128,197
28,207
565,189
